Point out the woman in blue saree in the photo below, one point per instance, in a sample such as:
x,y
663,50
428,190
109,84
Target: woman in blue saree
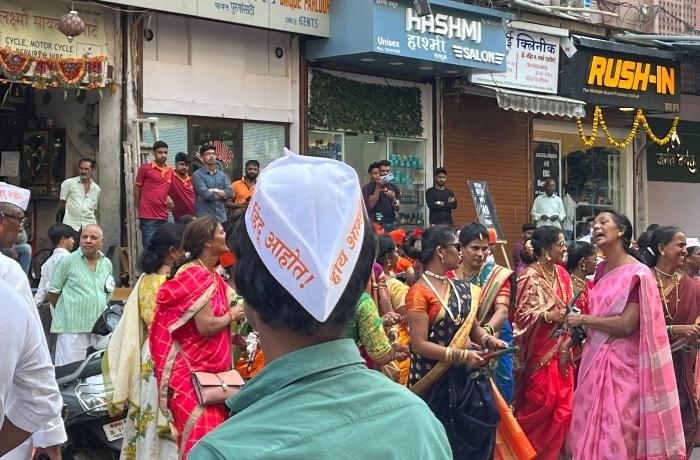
x,y
496,299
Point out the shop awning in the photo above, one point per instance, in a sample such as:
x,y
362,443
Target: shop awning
x,y
547,104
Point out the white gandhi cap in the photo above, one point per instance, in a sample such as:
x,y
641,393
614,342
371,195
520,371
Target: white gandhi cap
x,y
14,195
306,221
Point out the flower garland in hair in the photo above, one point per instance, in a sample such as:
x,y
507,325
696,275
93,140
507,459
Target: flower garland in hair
x,y
529,248
588,141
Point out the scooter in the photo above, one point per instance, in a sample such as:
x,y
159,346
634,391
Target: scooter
x,y
92,433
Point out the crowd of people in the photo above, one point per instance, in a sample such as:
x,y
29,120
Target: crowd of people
x,y
289,328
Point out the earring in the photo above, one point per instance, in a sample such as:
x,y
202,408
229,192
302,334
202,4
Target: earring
x,y
619,234
442,258
663,254
547,258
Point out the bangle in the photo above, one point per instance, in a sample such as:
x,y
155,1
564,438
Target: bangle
x,y
464,356
669,329
448,355
488,328
544,316
485,339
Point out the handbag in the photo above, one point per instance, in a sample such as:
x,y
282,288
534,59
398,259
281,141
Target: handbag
x,y
214,388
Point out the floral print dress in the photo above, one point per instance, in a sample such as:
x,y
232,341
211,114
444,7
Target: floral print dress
x,y
147,431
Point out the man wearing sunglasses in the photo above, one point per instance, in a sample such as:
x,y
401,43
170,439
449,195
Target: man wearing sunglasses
x,y
30,403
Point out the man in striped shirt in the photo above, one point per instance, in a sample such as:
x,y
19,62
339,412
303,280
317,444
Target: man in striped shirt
x,y
80,288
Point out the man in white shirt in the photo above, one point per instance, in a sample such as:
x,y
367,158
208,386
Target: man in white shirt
x,y
27,381
79,197
62,237
548,209
570,209
29,396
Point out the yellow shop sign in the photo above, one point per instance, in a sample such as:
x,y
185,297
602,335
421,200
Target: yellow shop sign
x,y
631,75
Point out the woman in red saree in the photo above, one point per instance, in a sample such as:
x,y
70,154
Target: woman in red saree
x,y
680,298
626,402
544,379
192,324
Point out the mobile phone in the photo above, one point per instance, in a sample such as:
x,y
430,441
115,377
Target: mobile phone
x,y
388,178
498,353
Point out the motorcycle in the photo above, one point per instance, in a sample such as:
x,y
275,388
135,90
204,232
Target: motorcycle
x,y
92,433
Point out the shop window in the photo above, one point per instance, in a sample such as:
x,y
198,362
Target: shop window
x,y
171,129
263,142
407,158
226,136
595,176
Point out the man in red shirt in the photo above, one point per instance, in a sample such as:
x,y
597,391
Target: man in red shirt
x,y
151,192
181,189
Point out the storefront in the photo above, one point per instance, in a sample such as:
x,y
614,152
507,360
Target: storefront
x,y
673,178
226,74
621,85
488,125
60,102
372,93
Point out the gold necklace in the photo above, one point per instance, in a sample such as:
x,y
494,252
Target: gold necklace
x,y
555,280
457,320
579,282
471,274
660,284
441,278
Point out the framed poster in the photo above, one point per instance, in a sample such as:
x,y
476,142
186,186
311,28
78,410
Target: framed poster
x,y
546,164
485,209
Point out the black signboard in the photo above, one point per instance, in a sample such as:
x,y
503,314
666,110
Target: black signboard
x,y
545,163
604,77
485,210
677,161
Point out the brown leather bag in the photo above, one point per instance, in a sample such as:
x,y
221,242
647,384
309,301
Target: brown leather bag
x,y
214,388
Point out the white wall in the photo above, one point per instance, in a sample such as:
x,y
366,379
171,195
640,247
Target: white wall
x,y
674,203
205,68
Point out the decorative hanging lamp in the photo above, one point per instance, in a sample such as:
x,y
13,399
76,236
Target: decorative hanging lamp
x,y
71,24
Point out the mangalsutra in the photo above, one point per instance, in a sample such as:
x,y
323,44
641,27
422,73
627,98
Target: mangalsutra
x,y
674,279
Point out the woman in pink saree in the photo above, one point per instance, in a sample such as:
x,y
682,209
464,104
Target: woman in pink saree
x,y
626,403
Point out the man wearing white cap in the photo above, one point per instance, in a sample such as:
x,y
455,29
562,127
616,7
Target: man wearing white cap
x,y
302,266
29,396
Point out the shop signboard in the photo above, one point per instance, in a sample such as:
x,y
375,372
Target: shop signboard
x,y
545,163
532,63
678,160
31,27
308,17
450,36
600,76
483,203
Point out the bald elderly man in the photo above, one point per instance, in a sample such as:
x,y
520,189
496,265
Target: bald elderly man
x,y
79,288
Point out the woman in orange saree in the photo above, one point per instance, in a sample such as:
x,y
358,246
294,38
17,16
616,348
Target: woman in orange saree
x,y
544,378
626,403
192,327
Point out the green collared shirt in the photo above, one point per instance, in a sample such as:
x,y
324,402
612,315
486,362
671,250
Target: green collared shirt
x,y
83,293
321,402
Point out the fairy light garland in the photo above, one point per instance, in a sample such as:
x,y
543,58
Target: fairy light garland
x,y
598,120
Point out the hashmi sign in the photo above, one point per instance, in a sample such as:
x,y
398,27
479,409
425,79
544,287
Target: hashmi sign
x,y
623,80
450,36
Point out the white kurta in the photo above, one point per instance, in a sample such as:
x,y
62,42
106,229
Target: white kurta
x,y
30,389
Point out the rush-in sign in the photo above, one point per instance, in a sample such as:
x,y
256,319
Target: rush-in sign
x,y
631,75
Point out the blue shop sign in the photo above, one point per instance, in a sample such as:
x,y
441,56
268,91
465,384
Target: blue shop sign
x,y
449,35
456,38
